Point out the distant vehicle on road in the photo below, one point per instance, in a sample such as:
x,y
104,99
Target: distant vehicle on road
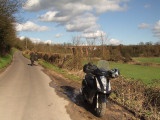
x,y
34,57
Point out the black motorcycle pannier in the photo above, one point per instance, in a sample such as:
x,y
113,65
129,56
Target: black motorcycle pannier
x,y
89,68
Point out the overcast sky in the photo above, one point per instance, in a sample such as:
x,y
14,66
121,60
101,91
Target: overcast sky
x,y
122,21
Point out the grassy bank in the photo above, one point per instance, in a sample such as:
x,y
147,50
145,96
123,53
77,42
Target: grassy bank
x,y
59,70
26,55
5,60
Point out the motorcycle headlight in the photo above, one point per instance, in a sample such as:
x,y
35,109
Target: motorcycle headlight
x,y
98,85
104,81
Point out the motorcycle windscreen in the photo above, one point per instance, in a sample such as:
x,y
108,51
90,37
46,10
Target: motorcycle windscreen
x,y
103,64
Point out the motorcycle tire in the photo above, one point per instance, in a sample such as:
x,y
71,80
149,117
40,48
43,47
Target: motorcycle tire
x,y
100,111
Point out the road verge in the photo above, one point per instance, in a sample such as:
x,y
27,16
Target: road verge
x,y
6,60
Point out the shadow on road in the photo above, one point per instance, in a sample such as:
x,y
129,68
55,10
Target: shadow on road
x,y
32,65
76,98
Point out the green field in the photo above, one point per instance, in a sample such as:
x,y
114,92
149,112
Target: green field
x,y
148,60
147,74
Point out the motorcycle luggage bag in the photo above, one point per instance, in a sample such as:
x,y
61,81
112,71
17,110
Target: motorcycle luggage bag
x,y
89,68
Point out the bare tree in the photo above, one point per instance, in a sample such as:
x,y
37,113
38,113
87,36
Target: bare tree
x,y
9,8
91,40
103,40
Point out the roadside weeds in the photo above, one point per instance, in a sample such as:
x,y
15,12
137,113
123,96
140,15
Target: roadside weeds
x,y
6,60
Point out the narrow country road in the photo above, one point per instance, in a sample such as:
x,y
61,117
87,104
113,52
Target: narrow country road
x,y
25,93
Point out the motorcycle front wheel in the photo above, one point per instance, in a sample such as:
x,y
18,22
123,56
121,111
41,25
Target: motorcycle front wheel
x,y
100,107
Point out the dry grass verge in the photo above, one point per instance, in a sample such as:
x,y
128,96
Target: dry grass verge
x,y
142,100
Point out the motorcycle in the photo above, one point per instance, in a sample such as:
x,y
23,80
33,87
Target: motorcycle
x,y
96,86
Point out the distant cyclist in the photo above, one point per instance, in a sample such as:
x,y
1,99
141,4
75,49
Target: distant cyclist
x,y
34,57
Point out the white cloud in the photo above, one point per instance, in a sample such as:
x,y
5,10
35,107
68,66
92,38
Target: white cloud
x,y
30,26
72,13
108,5
156,29
147,6
48,42
59,35
36,40
157,25
50,16
22,37
114,41
79,23
83,23
96,34
143,26
78,5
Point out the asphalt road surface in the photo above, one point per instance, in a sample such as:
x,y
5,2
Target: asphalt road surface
x,y
25,93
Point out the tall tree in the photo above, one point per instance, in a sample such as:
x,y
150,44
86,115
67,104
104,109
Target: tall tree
x,y
8,8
